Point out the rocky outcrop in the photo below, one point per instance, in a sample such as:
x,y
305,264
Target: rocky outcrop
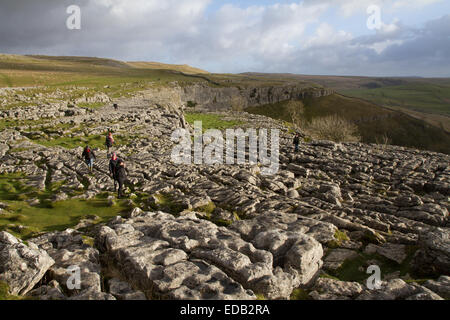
x,y
214,99
441,286
69,251
433,257
398,289
21,266
195,259
331,289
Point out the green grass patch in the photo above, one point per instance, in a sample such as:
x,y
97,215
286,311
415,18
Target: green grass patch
x,y
300,294
25,221
222,222
166,202
88,240
355,269
4,293
260,296
211,121
13,187
340,236
208,209
8,123
94,141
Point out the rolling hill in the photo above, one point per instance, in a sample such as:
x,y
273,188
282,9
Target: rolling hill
x,y
374,122
426,99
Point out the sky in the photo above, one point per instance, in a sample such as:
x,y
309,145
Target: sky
x,y
320,37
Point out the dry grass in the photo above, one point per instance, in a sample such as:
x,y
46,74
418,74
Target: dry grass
x,y
333,128
163,66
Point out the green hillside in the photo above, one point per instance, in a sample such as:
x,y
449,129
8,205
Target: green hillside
x,y
425,97
373,121
18,71
22,71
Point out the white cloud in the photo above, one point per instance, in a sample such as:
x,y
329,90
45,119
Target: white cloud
x,y
326,36
417,4
348,8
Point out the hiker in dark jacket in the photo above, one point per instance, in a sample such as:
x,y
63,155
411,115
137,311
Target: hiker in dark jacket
x,y
112,168
116,106
109,141
121,176
296,142
89,157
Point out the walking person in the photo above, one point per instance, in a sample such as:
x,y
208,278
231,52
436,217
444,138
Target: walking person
x,y
109,141
112,169
89,157
121,177
296,142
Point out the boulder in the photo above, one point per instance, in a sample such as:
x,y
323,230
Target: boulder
x,y
331,289
21,266
433,256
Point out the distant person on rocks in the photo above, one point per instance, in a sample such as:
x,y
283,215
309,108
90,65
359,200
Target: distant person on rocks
x,y
109,141
116,106
89,157
121,176
112,168
296,142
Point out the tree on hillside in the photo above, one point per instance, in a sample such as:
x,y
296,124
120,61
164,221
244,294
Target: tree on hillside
x,y
333,128
296,110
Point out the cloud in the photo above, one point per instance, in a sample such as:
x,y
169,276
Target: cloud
x,y
390,52
348,8
297,37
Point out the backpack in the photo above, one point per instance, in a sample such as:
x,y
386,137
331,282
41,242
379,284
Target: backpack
x,y
113,165
109,141
119,172
88,154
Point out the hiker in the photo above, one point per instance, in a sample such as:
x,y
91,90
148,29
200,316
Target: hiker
x,y
116,106
112,168
109,141
89,157
121,177
296,141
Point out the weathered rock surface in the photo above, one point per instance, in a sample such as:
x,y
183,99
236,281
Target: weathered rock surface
x,y
441,286
330,289
21,266
398,289
173,248
434,253
72,256
337,257
394,252
274,231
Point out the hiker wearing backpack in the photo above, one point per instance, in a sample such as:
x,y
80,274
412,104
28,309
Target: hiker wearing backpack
x,y
89,157
296,142
113,163
121,177
109,141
